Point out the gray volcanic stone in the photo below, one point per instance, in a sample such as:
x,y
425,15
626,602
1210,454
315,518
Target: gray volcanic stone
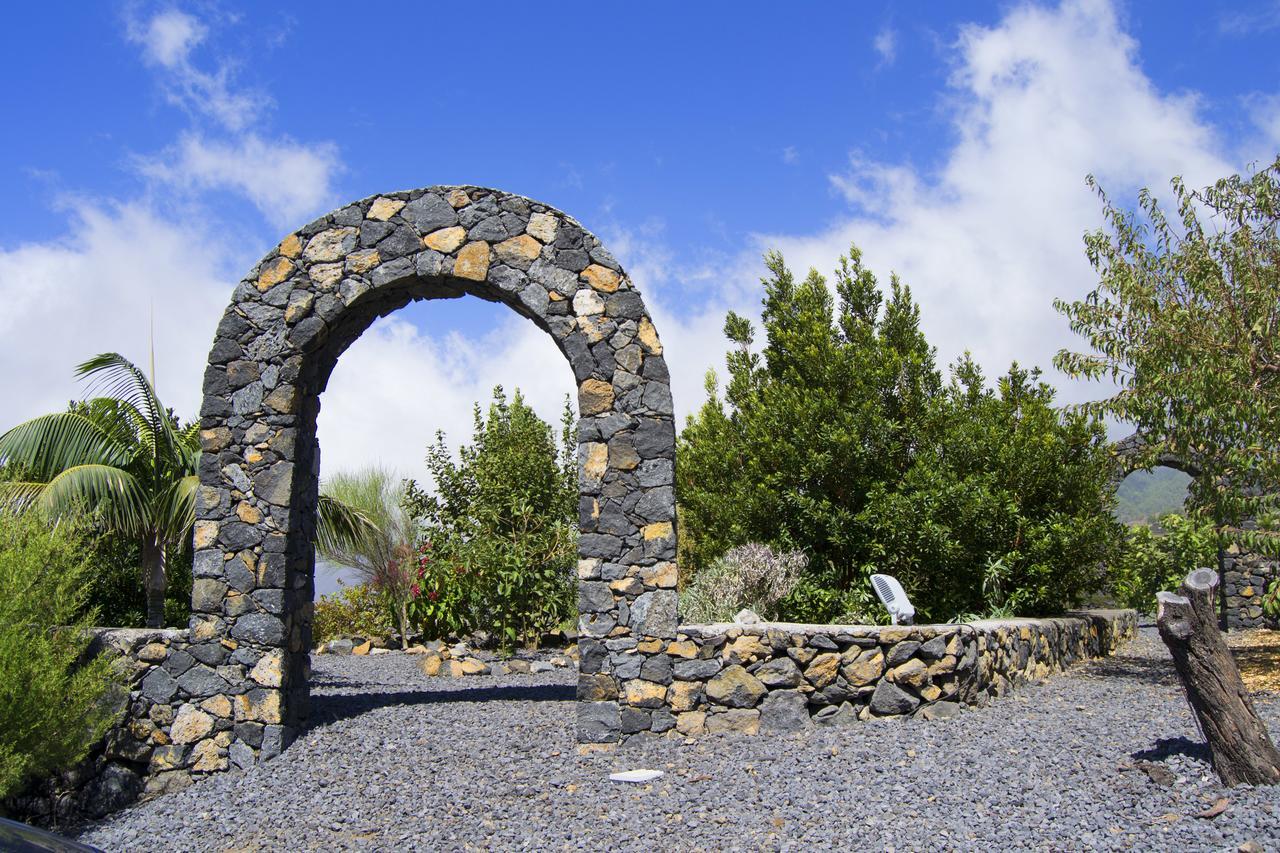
x,y
889,699
599,722
901,652
429,213
259,628
779,672
695,670
784,711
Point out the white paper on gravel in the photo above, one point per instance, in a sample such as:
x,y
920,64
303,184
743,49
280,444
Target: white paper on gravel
x,y
635,776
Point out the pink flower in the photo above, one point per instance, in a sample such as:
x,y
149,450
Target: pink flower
x,y
416,590
433,595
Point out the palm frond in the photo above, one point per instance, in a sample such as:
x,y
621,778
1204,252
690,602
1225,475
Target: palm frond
x,y
44,446
113,375
18,496
111,491
344,533
175,509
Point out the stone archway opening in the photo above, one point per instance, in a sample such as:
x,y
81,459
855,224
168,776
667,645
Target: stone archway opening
x,y
289,322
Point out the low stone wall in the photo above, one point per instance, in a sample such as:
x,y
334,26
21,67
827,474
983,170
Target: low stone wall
x,y
177,717
780,677
1246,577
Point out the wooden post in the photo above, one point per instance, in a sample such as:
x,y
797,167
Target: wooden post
x,y
1239,746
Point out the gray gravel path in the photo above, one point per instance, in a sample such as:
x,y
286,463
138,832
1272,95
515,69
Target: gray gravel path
x,y
397,761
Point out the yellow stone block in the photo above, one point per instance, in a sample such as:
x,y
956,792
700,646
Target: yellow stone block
x,y
384,208
648,337
219,706
363,260
446,239
662,575
601,278
291,246
473,261
593,467
248,513
274,273
691,722
325,276
206,533
595,397
683,649
543,226
518,249
684,695
458,198
657,530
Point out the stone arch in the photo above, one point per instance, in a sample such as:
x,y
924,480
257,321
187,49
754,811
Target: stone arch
x,y
1245,575
290,320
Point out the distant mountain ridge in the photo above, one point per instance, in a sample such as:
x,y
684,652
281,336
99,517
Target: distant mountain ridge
x,y
1144,496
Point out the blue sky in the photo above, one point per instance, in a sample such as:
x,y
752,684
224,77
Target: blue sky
x,y
154,151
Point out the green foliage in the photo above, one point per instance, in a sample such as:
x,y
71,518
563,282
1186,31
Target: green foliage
x,y
841,439
123,455
497,533
366,528
353,611
53,704
1186,320
1159,558
751,576
115,589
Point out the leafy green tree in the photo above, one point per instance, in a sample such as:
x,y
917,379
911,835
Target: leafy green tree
x,y
1186,321
124,455
55,701
498,528
840,438
379,545
1156,557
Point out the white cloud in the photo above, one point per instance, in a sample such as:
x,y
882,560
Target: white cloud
x,y
93,290
396,386
886,46
790,155
289,182
168,39
994,235
1263,17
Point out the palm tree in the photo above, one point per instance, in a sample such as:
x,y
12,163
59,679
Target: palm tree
x,y
122,454
369,531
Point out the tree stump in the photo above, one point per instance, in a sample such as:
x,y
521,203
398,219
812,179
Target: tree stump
x,y
1240,748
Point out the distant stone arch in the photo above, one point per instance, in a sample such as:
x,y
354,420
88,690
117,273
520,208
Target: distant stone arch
x,y
1245,575
288,323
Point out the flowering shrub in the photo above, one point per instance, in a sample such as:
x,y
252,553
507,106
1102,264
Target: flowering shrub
x,y
352,611
751,576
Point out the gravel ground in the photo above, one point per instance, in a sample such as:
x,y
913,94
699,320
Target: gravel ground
x,y
397,761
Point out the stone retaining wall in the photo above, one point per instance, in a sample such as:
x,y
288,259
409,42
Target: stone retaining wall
x,y
778,677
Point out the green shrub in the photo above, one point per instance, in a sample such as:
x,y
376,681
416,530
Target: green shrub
x,y
54,705
499,528
838,436
353,611
752,576
1159,558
